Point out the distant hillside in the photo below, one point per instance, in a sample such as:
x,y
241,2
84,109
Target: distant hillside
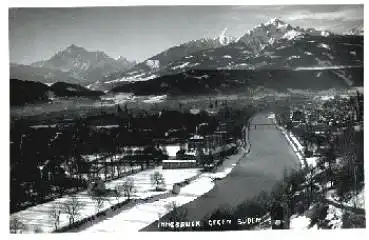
x,y
22,92
62,89
37,74
215,81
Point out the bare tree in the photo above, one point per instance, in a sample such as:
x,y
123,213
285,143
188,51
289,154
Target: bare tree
x,y
16,225
117,192
331,158
157,180
37,230
99,202
128,187
54,215
61,189
176,214
72,208
310,183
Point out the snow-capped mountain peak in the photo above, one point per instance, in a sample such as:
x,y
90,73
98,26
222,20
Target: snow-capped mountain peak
x,y
274,30
80,64
263,34
276,22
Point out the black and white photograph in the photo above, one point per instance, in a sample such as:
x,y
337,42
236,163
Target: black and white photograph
x,y
186,118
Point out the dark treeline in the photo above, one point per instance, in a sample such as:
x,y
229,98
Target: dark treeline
x,y
23,92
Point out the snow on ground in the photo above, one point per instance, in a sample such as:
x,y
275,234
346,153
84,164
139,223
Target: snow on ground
x,y
141,215
299,222
118,98
312,161
293,57
296,142
107,126
325,33
292,144
325,67
134,78
155,99
138,217
297,152
203,76
323,45
359,200
327,97
334,216
180,66
38,216
143,185
43,126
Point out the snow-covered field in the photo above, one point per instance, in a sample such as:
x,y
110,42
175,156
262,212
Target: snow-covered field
x,y
299,222
38,216
325,67
138,217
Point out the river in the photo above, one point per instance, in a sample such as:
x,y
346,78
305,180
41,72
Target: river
x,y
259,171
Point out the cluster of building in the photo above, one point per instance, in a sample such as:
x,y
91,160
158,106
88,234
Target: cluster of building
x,y
326,117
199,150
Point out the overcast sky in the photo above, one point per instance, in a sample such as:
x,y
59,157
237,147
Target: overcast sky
x,y
138,33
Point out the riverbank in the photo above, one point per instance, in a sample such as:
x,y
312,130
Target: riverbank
x,y
293,142
143,214
321,210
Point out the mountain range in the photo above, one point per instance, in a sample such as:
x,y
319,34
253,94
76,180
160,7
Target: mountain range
x,y
270,47
73,64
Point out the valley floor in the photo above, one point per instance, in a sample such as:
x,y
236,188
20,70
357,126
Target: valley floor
x,y
37,217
